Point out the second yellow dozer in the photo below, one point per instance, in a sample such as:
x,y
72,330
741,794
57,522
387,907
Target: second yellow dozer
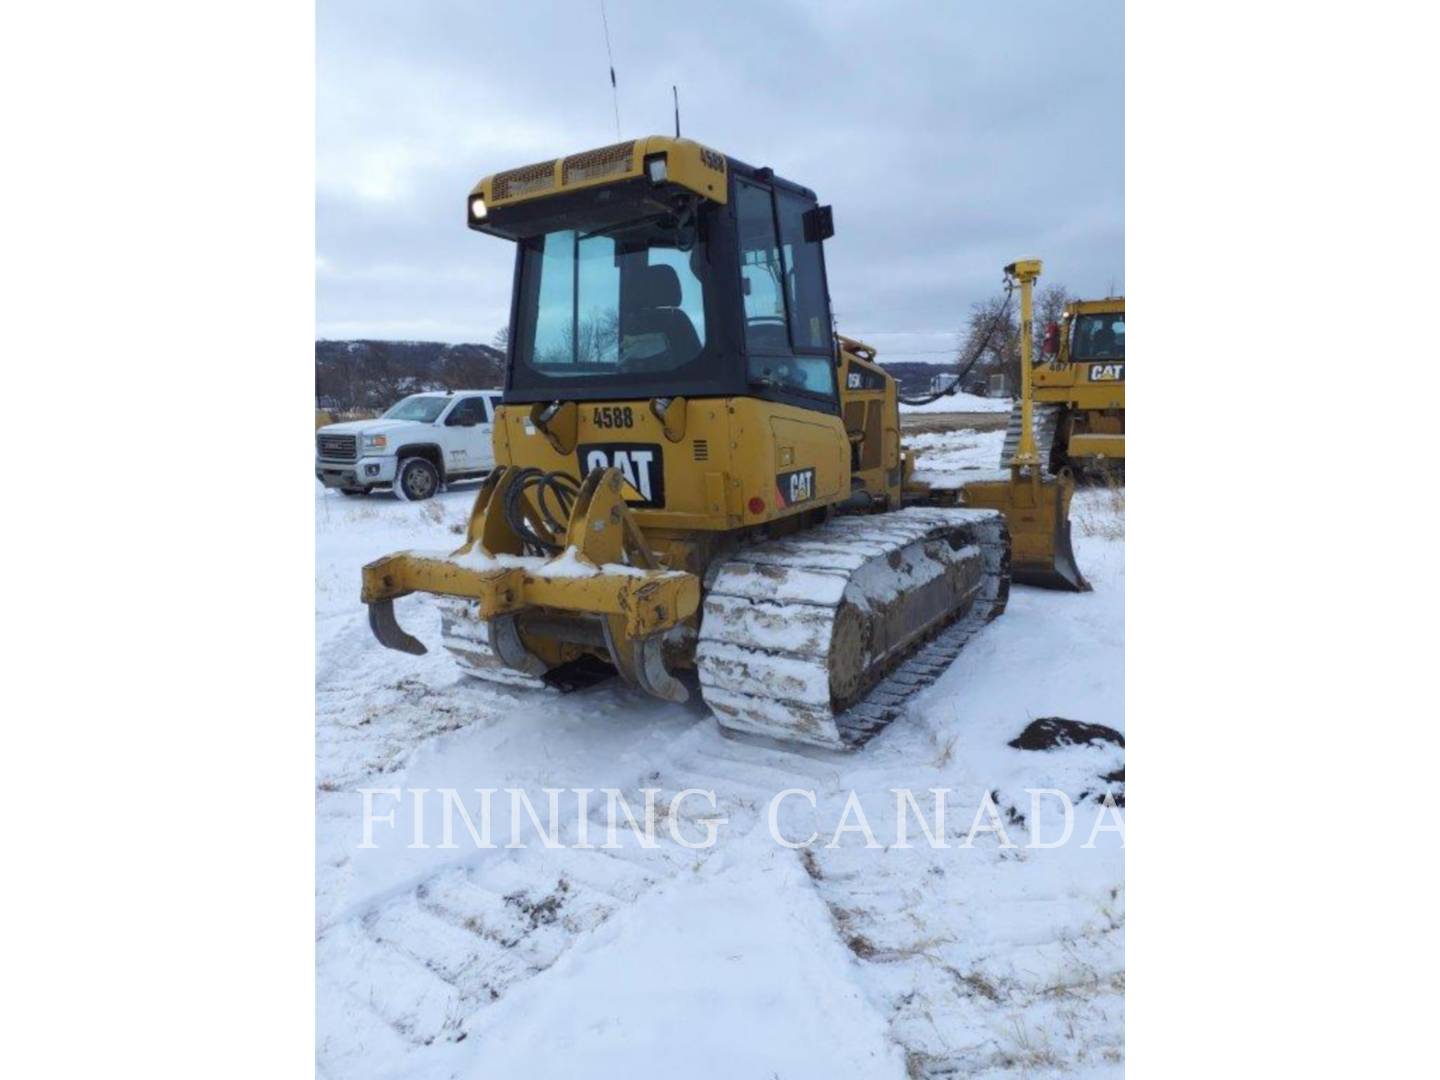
x,y
694,473
1078,417
1036,505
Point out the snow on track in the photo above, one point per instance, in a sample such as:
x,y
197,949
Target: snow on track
x,y
747,958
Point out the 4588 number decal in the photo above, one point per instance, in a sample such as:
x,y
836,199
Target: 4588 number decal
x,y
614,416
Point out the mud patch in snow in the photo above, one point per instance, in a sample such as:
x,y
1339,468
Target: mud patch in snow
x,y
1051,731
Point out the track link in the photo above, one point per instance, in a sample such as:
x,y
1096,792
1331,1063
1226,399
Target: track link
x,y
1046,421
821,638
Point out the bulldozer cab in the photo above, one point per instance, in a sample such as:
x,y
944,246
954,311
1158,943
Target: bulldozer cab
x,y
699,276
1090,331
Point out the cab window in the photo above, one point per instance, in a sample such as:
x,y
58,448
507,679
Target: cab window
x,y
595,305
468,412
1099,337
804,278
761,272
422,408
783,286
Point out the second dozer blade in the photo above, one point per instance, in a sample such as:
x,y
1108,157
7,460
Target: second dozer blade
x,y
1037,510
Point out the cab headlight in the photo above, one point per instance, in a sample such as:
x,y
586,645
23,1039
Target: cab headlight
x,y
372,442
477,208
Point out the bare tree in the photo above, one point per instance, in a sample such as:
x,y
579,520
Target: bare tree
x,y
992,330
373,375
598,341
1050,304
995,331
466,367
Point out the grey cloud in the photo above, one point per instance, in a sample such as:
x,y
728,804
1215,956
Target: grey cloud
x,y
950,137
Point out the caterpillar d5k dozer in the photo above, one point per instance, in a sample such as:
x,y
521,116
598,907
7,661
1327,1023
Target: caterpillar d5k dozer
x,y
693,472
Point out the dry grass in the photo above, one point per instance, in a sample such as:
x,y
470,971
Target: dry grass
x,y
1105,517
325,416
976,983
945,751
922,423
1028,1050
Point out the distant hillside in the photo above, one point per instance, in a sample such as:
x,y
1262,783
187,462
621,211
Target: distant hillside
x,y
373,375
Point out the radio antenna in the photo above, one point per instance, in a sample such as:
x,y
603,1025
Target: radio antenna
x,y
614,89
676,94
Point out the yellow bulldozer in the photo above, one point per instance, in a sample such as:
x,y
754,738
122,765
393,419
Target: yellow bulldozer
x,y
696,474
1078,416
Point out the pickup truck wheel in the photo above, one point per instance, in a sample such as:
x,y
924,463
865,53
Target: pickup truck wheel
x,y
416,480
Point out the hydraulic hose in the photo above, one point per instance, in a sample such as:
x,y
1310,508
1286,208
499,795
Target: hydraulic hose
x,y
978,351
557,487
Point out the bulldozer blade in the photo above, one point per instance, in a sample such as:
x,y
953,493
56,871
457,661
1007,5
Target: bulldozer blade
x,y
1038,513
1060,571
388,632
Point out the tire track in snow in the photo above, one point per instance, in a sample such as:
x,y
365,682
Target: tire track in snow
x,y
412,963
980,972
425,961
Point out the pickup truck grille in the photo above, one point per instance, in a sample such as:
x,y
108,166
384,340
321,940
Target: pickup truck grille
x,y
336,447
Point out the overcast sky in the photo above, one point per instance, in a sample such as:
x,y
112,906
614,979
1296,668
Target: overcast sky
x,y
950,137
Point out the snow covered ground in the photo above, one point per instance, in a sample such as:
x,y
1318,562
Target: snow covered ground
x,y
745,959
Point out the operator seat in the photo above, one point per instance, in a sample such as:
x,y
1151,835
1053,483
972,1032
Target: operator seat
x,y
654,308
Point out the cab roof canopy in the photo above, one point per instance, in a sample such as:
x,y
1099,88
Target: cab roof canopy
x,y
654,174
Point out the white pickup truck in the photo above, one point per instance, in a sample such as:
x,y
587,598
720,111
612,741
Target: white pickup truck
x,y
422,442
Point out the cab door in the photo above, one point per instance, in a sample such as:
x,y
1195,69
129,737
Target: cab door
x,y
487,447
789,341
467,436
